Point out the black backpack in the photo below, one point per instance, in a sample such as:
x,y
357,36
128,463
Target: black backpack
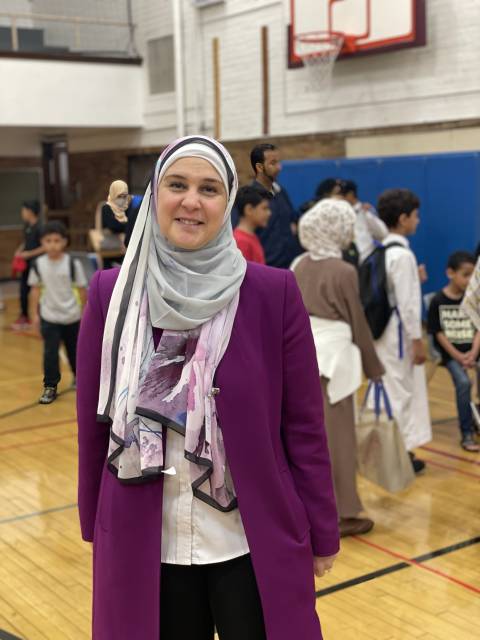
x,y
373,290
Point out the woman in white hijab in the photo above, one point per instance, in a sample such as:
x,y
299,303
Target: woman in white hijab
x,y
329,287
204,479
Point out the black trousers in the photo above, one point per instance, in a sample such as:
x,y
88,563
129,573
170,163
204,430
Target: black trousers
x,y
53,335
196,599
24,291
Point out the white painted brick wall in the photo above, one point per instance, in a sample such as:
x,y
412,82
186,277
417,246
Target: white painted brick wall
x,y
439,82
153,19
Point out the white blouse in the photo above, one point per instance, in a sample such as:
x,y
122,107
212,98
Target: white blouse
x,y
192,531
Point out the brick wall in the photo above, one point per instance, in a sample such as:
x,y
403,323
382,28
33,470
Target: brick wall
x,y
292,148
92,173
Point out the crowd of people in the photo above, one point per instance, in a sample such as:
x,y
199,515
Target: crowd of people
x,y
364,231
193,343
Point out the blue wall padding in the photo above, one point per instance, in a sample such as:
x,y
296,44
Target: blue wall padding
x,y
448,186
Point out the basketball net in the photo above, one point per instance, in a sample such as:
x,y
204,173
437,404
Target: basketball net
x,y
318,51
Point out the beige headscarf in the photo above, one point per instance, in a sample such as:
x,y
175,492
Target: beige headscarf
x,y
327,228
116,188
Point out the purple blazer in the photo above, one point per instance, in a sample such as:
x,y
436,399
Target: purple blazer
x,y
270,412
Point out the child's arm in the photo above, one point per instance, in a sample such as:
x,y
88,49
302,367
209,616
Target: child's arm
x,y
457,355
476,346
33,253
474,351
34,300
82,292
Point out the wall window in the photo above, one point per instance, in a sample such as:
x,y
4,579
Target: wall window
x,y
140,171
17,185
161,73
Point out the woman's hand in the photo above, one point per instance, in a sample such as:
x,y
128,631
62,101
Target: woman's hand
x,y
321,565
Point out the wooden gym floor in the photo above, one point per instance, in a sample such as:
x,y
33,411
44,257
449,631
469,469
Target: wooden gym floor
x,y
416,576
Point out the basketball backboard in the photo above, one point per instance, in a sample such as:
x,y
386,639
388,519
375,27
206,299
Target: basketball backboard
x,y
369,26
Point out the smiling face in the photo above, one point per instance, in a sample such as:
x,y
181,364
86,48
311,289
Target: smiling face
x,y
191,203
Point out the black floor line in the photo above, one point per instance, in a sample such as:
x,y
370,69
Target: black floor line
x,y
449,549
365,578
14,412
34,514
396,567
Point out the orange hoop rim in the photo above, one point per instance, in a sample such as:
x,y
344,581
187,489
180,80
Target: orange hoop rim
x,y
344,42
319,37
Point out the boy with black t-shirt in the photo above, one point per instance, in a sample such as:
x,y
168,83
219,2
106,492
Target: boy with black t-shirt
x,y
456,339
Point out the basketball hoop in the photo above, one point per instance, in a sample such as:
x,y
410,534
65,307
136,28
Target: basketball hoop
x,y
318,51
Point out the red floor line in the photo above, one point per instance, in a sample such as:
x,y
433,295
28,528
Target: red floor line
x,y
39,426
35,442
451,455
437,572
446,466
419,565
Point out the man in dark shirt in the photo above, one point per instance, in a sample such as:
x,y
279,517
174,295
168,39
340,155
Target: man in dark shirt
x,y
279,238
456,339
28,250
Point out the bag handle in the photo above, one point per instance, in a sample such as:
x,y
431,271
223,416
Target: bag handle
x,y
380,394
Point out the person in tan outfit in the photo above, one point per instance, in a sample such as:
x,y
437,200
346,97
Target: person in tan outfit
x,y
344,343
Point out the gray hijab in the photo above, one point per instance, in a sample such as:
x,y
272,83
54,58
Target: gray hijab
x,y
187,288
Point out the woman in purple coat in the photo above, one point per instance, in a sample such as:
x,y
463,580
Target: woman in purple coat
x,y
204,476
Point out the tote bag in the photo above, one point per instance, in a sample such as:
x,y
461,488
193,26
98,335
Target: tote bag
x,y
382,457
